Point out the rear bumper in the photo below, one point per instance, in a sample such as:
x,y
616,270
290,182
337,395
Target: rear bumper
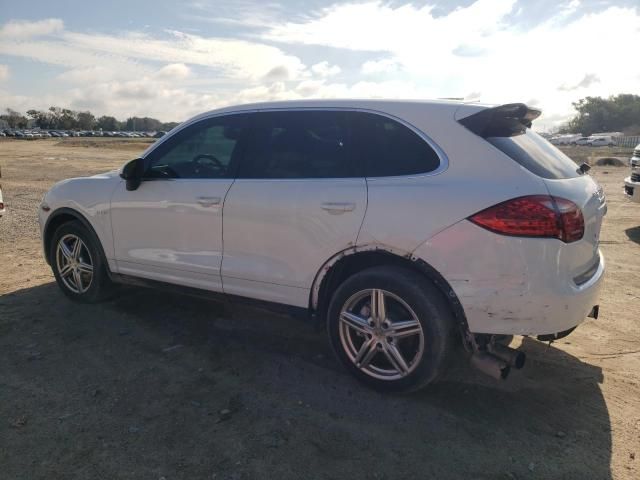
x,y
632,190
515,286
540,309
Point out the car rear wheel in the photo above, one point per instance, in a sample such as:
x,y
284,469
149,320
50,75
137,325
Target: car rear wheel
x,y
78,265
391,328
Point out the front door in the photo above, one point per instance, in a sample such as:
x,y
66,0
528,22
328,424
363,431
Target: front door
x,y
170,228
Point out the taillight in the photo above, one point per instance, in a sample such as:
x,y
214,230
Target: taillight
x,y
534,216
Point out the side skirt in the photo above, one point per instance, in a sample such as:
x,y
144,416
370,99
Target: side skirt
x,y
295,312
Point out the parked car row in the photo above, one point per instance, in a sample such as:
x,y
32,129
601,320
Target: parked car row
x,y
591,141
75,133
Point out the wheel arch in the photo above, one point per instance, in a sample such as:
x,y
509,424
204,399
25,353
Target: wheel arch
x,y
348,262
61,216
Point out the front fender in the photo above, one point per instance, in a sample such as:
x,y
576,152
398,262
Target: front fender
x,y
85,199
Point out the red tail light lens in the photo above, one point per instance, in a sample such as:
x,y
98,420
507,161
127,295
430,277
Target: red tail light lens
x,y
534,216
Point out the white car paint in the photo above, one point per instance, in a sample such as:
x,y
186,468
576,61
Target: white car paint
x,y
520,285
91,198
582,141
269,239
278,233
170,230
632,182
601,142
564,139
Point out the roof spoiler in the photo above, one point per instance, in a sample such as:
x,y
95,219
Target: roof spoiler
x,y
506,120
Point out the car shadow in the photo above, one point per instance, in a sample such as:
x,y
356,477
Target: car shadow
x,y
156,384
633,233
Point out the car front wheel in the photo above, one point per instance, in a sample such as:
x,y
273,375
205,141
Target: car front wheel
x,y
391,328
78,264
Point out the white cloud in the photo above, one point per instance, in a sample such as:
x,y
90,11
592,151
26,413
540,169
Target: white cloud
x,y
87,75
174,71
324,69
19,29
146,96
473,52
56,52
382,27
374,67
588,80
279,73
309,88
475,49
234,58
4,72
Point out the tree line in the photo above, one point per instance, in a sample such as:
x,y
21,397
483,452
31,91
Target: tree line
x,y
56,118
618,113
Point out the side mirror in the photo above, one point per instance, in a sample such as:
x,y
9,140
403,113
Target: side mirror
x,y
132,173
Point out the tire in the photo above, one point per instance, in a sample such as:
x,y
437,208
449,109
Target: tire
x,y
407,295
95,286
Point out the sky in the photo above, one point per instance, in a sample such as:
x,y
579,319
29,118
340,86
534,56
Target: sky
x,y
171,60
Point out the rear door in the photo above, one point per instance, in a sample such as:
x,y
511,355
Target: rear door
x,y
297,201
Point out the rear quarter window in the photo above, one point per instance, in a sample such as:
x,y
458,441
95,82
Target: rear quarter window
x,y
388,148
536,155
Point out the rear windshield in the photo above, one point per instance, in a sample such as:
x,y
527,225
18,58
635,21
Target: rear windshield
x,y
536,155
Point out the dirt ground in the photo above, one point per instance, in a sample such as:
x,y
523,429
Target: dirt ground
x,y
152,386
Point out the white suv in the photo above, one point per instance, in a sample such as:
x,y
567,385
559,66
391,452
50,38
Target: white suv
x,y
400,225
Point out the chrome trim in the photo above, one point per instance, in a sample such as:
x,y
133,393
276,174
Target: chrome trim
x,y
444,160
186,124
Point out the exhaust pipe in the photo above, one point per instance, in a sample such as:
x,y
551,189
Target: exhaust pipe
x,y
490,365
514,358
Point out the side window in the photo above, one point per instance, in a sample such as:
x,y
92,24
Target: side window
x,y
388,148
207,149
298,144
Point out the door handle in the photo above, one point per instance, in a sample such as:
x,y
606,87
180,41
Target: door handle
x,y
336,208
209,201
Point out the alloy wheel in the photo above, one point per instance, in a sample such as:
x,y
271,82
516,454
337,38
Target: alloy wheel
x,y
74,263
381,334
